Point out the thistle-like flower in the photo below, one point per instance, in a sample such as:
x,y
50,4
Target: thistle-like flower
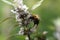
x,y
20,8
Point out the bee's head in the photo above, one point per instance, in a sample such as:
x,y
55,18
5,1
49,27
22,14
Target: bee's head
x,y
35,16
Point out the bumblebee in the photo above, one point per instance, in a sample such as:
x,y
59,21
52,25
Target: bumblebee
x,y
35,19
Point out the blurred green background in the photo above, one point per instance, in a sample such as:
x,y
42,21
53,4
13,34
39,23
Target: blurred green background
x,y
48,11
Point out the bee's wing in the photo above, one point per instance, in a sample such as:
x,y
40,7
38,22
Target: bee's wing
x,y
37,4
8,2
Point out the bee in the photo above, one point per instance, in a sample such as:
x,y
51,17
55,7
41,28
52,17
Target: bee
x,y
35,19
